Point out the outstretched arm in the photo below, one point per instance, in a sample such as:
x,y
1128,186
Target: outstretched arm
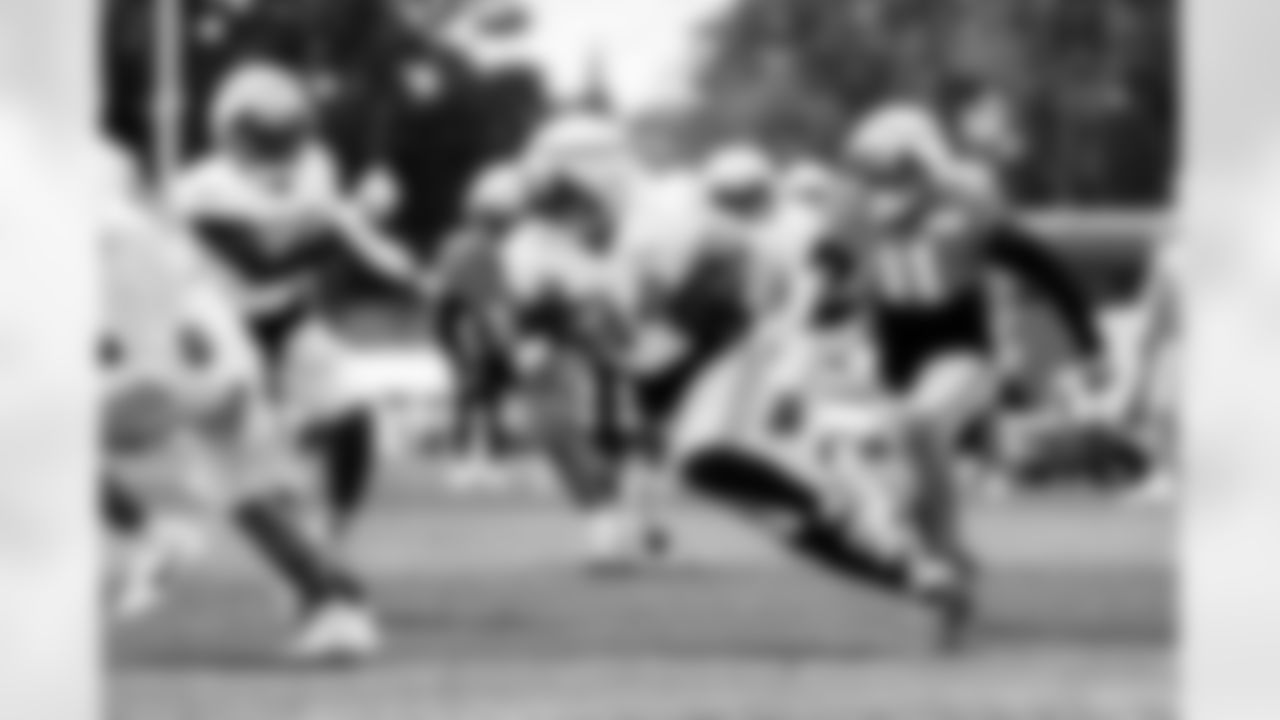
x,y
1017,252
373,248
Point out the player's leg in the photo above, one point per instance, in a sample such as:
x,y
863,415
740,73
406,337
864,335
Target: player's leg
x,y
767,476
949,392
345,449
149,541
479,435
492,390
267,502
659,396
338,436
141,418
772,496
134,580
572,417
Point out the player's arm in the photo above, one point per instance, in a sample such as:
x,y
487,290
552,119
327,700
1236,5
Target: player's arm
x,y
1013,250
525,278
373,248
370,245
356,229
837,283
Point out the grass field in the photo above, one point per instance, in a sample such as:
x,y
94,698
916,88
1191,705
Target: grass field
x,y
489,618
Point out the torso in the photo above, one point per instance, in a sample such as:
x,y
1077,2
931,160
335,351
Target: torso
x,y
565,287
267,231
925,293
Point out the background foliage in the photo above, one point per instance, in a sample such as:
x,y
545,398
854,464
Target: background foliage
x,y
1097,80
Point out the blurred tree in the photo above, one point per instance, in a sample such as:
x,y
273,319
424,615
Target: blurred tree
x,y
352,43
1096,78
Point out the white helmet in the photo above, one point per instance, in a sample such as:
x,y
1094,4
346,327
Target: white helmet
x,y
501,189
808,181
574,137
898,136
260,93
589,152
738,167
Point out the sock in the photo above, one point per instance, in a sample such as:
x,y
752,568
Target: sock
x,y
590,474
937,510
314,577
346,450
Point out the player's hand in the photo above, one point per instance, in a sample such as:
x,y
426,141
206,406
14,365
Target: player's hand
x,y
428,287
655,348
531,355
1083,392
378,195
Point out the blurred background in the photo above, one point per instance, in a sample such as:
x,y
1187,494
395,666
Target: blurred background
x,y
1097,79
435,90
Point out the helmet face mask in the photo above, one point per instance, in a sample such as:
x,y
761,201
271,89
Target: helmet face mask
x,y
271,140
739,179
491,222
895,160
564,200
890,201
744,200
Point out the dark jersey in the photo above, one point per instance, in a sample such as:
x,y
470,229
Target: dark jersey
x,y
926,297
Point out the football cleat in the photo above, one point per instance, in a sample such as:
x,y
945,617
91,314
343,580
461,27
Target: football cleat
x,y
612,541
340,633
951,595
146,562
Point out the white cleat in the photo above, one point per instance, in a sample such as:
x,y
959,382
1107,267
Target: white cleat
x,y
145,564
612,541
340,633
138,586
185,541
136,598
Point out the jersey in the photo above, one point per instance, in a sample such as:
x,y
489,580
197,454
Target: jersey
x,y
706,272
574,308
566,290
928,289
270,230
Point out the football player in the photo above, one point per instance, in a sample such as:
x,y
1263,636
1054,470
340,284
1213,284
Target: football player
x,y
574,301
929,235
267,206
186,415
475,317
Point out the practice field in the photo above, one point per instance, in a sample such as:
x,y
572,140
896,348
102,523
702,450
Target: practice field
x,y
489,618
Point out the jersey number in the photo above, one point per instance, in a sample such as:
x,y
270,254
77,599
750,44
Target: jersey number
x,y
911,274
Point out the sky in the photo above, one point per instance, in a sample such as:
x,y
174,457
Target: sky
x,y
647,47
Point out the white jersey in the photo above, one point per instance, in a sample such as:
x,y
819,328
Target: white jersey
x,y
673,227
661,229
267,228
542,260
